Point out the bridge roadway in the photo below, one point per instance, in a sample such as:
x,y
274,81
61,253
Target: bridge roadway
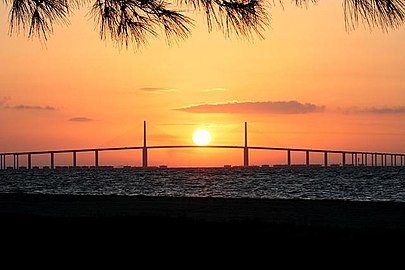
x,y
396,158
354,154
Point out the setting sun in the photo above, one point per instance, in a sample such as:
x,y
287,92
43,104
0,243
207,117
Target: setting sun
x,y
201,137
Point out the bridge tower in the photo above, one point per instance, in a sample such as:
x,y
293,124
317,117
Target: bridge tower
x,y
144,149
246,150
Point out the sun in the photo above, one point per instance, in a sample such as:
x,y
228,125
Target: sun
x,y
201,137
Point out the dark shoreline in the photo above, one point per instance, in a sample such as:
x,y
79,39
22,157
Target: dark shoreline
x,y
137,216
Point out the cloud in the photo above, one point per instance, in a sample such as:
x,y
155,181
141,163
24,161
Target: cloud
x,y
217,89
376,110
157,90
80,119
5,100
31,107
260,107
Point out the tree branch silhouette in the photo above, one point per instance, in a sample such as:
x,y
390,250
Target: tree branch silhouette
x,y
134,21
382,14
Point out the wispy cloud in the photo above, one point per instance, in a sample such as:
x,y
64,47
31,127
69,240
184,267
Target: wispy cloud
x,y
257,107
376,110
4,104
80,119
217,89
157,90
32,107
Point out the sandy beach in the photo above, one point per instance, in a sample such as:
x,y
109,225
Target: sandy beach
x,y
137,216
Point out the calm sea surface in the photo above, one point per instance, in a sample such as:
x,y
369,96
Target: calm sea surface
x,y
349,183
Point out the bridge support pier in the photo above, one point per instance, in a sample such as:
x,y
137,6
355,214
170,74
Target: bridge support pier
x,y
29,161
365,160
343,159
307,158
145,157
16,161
74,163
289,157
52,160
1,162
96,158
325,159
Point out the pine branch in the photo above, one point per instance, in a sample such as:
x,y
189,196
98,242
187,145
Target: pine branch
x,y
382,14
38,16
135,21
129,21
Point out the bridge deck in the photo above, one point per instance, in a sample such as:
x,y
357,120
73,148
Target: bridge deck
x,y
375,156
198,147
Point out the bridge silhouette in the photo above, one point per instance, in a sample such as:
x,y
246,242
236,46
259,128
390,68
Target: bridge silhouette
x,y
367,158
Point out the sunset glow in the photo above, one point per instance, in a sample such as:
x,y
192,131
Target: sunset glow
x,y
201,137
308,84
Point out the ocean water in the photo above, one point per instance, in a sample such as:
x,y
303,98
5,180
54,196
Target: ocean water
x,y
343,183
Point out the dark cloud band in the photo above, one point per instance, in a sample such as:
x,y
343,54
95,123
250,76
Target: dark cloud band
x,y
31,107
80,119
377,110
259,107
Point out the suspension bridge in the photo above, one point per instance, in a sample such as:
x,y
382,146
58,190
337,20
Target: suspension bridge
x,y
358,158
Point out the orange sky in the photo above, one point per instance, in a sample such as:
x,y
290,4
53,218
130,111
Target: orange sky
x,y
354,84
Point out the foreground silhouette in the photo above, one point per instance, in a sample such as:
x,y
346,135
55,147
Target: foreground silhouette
x,y
134,21
238,218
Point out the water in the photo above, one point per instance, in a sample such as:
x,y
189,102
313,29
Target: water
x,y
349,183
